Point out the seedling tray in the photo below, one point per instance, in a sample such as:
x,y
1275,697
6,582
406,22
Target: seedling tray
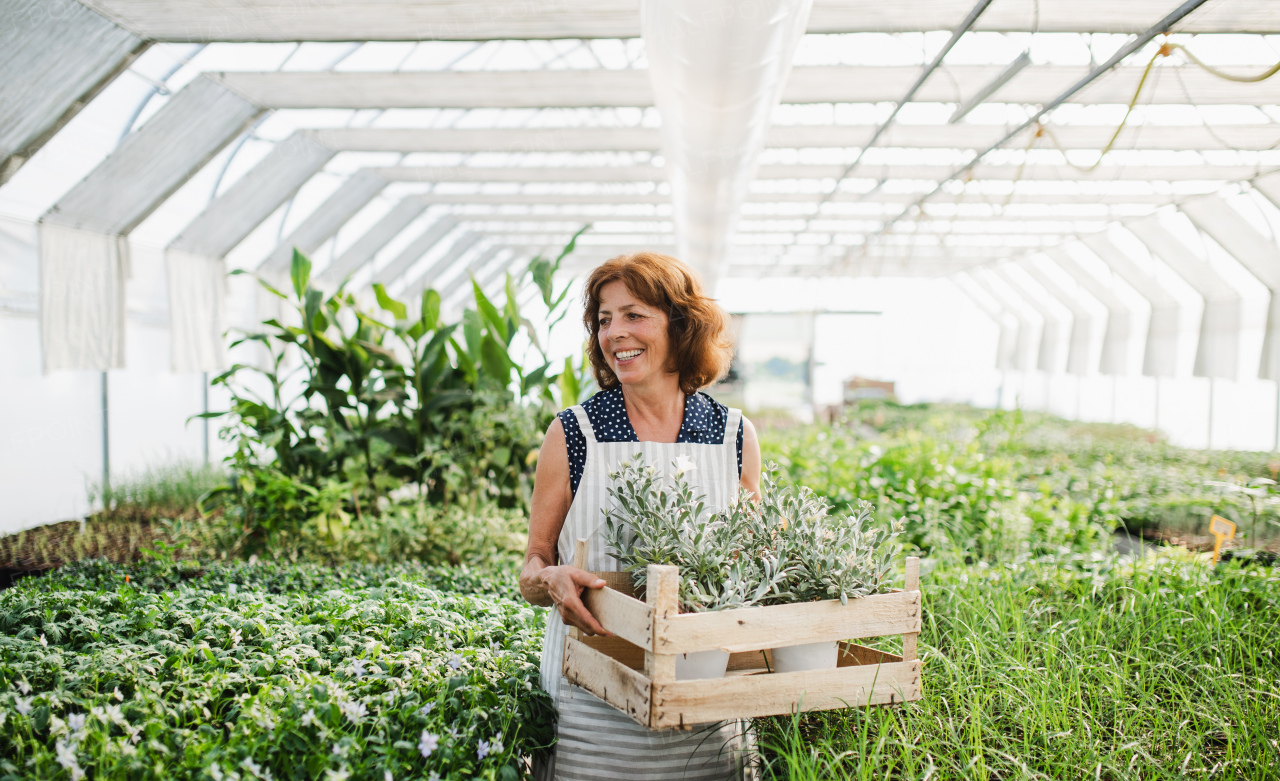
x,y
634,671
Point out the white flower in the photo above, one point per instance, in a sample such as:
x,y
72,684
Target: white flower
x,y
482,749
386,776
685,464
309,717
67,758
354,711
75,721
496,744
428,743
435,776
119,697
235,637
425,709
24,687
44,642
357,667
454,662
255,768
338,775
23,706
4,715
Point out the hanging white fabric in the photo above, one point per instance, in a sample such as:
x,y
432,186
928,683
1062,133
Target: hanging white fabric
x,y
82,298
197,312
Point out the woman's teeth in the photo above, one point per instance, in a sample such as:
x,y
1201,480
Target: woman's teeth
x,y
627,355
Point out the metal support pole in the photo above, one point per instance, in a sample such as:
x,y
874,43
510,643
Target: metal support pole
x,y
1156,423
1129,48
1208,445
106,439
204,388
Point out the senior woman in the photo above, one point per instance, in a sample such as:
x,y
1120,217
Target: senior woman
x,y
656,340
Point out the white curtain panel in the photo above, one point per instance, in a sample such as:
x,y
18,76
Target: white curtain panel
x,y
197,312
82,304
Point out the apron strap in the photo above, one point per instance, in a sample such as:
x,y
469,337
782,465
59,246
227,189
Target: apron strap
x,y
584,422
731,423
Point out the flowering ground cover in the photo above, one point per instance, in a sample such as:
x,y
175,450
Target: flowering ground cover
x,y
266,671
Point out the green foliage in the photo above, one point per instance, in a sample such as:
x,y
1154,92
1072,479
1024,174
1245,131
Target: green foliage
x,y
786,548
1095,667
163,490
268,672
379,403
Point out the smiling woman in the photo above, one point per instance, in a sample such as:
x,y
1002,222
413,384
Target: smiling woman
x,y
656,339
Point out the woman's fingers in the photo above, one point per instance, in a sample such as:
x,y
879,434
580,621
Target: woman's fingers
x,y
572,611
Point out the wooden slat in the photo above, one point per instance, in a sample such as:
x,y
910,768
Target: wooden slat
x,y
912,584
627,617
662,595
814,622
629,654
607,678
682,703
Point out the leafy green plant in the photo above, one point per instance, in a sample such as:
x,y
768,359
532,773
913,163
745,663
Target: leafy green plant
x,y
655,523
382,403
268,672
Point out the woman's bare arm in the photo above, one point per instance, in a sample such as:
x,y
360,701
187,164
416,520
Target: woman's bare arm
x,y
750,458
542,581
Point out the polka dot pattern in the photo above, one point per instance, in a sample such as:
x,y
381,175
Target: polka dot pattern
x,y
704,420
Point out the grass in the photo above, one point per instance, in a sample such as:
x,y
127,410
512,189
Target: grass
x,y
165,490
1114,669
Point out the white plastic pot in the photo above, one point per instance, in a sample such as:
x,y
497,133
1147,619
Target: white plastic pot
x,y
810,656
701,664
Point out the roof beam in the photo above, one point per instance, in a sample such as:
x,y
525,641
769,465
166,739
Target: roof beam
x,y
818,84
433,235
1218,348
1051,332
1025,348
152,162
638,173
1160,354
372,241
1257,253
461,246
1007,340
1114,360
328,218
55,56
230,217
642,139
387,20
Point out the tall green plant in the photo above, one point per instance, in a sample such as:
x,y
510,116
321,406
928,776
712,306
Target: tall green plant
x,y
383,404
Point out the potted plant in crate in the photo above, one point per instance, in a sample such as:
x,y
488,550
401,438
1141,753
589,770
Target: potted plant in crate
x,y
785,549
656,521
822,556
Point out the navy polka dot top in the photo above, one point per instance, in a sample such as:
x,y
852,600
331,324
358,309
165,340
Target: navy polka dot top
x,y
704,421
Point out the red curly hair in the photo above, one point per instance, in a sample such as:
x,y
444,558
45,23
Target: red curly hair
x,y
698,327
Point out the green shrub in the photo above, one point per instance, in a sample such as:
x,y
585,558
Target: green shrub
x,y
268,672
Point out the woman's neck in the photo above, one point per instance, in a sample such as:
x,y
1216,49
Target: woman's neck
x,y
656,409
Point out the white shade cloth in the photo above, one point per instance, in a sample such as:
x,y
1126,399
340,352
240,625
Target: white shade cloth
x,y
197,312
82,304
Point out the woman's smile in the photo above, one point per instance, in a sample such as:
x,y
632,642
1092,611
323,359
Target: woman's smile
x,y
624,357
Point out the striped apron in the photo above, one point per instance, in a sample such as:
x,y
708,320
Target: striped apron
x,y
595,740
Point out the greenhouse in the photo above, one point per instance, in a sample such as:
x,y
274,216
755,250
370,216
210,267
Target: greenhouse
x,y
785,389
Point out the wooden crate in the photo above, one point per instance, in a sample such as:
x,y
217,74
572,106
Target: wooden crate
x,y
634,671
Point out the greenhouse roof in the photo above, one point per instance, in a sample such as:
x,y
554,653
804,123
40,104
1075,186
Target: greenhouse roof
x,y
414,143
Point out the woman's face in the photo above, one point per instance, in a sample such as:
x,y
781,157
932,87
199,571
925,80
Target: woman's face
x,y
633,335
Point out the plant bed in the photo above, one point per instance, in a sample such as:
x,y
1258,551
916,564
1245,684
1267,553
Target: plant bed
x,y
634,671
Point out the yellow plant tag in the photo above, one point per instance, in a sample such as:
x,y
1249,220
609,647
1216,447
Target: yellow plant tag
x,y
1222,529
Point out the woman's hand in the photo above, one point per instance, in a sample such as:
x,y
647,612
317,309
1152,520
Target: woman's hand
x,y
562,586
